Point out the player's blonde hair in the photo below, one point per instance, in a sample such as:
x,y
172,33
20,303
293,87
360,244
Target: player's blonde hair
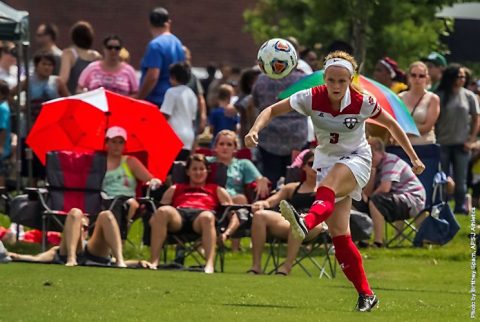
x,y
342,55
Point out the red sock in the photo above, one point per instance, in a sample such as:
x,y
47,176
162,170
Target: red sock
x,y
322,208
350,261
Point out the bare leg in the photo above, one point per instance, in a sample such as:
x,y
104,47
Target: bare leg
x,y
166,217
378,223
133,206
45,257
293,246
263,221
106,238
204,224
239,199
72,233
233,224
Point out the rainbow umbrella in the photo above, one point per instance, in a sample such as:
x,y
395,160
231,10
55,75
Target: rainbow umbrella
x,y
389,101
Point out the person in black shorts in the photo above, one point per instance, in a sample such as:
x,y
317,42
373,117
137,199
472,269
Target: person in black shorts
x,y
189,208
268,221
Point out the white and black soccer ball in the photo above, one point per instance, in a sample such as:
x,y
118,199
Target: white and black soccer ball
x,y
277,58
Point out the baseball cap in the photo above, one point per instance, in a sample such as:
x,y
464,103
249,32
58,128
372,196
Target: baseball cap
x,y
436,58
116,131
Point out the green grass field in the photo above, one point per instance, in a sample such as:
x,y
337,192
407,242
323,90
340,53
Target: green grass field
x,y
430,284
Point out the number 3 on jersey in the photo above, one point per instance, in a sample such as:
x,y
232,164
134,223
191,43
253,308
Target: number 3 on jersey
x,y
334,138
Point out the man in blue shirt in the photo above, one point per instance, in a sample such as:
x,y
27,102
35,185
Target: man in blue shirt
x,y
162,51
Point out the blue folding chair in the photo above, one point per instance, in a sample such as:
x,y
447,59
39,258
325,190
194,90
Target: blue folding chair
x,y
434,190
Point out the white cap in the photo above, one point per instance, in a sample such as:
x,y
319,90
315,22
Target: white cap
x,y
115,131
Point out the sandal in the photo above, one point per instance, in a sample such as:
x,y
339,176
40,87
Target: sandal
x,y
253,272
281,273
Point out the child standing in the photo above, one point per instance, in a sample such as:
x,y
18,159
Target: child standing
x,y
180,107
224,116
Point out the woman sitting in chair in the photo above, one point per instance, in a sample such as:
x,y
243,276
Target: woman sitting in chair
x,y
189,208
76,250
268,222
124,171
240,173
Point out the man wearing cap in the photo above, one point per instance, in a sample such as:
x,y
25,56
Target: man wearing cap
x,y
162,51
436,64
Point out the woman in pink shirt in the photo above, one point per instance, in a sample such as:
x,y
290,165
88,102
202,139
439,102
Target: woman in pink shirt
x,y
110,72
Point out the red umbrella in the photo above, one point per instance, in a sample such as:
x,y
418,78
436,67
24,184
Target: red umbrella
x,y
79,123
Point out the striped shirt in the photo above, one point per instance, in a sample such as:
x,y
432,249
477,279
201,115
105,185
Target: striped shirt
x,y
404,181
123,81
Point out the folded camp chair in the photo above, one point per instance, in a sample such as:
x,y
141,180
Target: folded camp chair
x,y
318,251
430,156
191,242
74,180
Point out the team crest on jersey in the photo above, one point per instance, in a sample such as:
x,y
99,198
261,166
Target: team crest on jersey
x,y
350,122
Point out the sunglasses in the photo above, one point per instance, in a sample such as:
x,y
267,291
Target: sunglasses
x,y
310,163
462,76
117,48
418,75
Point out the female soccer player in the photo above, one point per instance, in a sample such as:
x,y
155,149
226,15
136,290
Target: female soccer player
x,y
342,158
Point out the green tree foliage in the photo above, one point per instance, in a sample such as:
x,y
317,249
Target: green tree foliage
x,y
403,30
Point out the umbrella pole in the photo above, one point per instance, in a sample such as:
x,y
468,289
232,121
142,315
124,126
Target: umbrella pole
x,y
19,147
28,112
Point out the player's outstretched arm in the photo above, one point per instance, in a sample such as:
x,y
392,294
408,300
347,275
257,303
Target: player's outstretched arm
x,y
279,108
397,133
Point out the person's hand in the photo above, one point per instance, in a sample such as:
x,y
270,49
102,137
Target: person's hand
x,y
154,183
262,188
251,139
418,166
260,205
467,146
230,110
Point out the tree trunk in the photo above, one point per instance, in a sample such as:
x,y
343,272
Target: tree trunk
x,y
360,12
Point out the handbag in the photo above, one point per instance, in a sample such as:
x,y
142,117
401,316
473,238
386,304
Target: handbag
x,y
438,228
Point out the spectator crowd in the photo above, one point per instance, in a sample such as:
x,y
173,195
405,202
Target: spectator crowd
x,y
212,115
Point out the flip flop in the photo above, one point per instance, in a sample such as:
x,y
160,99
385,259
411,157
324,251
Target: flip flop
x,y
281,273
252,271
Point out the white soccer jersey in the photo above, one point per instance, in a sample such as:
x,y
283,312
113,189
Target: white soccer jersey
x,y
339,133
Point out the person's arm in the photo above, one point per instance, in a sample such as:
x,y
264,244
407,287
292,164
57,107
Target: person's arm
x,y
141,173
279,108
474,111
223,197
433,112
202,107
383,187
167,197
284,193
132,79
3,138
66,65
149,82
397,133
62,88
250,173
473,132
368,189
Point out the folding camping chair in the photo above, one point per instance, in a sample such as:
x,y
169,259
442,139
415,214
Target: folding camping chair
x,y
430,156
318,251
191,242
74,180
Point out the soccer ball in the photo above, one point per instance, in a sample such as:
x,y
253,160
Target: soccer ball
x,y
277,58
